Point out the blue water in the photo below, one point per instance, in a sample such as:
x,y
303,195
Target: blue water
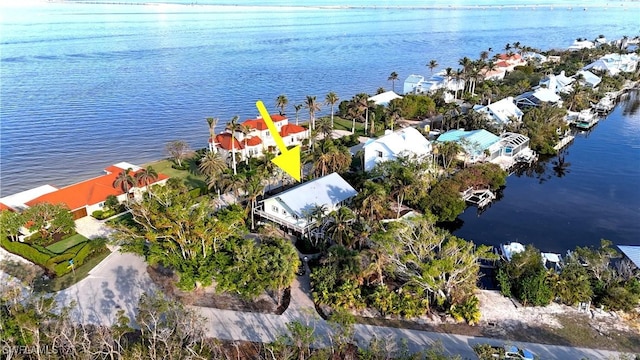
x,y
83,86
591,191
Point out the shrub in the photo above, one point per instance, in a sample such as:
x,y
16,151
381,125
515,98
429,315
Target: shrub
x,y
194,193
58,259
26,251
62,268
83,253
97,214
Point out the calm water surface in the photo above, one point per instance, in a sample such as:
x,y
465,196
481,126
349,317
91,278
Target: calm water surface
x,y
591,191
87,85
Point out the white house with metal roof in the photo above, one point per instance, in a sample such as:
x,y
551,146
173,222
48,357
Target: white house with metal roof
x,y
632,253
501,112
557,83
588,78
384,98
538,97
407,141
294,208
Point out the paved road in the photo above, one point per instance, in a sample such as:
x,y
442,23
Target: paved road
x,y
121,278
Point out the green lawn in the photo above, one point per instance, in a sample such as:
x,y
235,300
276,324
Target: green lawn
x,y
62,245
345,124
81,272
192,178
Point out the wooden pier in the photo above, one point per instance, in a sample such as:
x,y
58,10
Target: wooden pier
x,y
479,198
564,142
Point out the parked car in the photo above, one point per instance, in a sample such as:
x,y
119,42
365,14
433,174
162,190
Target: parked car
x,y
513,352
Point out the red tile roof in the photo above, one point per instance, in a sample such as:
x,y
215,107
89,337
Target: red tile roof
x,y
89,192
291,129
253,141
5,207
512,57
259,123
502,64
224,141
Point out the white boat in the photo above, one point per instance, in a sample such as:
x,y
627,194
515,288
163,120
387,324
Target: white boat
x,y
552,261
584,119
510,249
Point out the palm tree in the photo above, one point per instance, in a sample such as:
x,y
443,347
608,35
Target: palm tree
x,y
331,99
394,113
372,200
282,102
253,190
212,124
146,176
297,107
432,65
325,127
393,77
212,165
125,181
507,47
232,127
245,130
339,228
458,75
484,55
313,106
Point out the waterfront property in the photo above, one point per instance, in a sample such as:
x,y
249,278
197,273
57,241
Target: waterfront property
x,y
589,79
579,44
632,253
584,119
297,209
614,64
508,62
407,141
501,112
384,98
557,83
416,84
538,97
254,137
87,196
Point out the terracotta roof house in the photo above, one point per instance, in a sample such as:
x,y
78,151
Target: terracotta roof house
x,y
87,196
259,138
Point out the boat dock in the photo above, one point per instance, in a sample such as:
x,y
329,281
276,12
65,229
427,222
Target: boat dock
x,y
564,142
479,198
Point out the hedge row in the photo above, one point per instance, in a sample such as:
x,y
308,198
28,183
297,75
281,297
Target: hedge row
x,y
26,251
58,264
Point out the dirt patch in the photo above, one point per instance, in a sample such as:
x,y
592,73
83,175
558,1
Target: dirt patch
x,y
208,297
554,324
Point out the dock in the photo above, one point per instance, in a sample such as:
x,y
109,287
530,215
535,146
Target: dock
x,y
479,198
564,142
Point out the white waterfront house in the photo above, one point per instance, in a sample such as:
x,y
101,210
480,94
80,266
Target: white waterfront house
x,y
615,63
501,112
581,44
294,209
557,83
538,97
384,98
407,141
589,79
416,84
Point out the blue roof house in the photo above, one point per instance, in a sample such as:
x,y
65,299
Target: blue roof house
x,y
479,145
